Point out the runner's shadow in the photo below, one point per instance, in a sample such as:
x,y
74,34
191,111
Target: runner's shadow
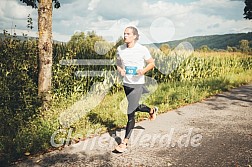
x,y
95,117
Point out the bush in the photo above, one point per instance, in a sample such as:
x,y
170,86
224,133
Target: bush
x,y
18,80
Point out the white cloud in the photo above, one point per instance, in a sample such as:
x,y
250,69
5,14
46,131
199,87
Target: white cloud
x,y
162,30
167,9
13,9
13,16
93,4
223,8
114,9
108,17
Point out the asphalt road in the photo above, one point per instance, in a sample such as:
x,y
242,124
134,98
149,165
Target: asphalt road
x,y
214,132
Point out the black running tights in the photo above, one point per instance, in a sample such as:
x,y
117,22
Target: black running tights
x,y
133,94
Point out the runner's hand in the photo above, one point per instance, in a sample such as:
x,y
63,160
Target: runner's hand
x,y
140,72
123,72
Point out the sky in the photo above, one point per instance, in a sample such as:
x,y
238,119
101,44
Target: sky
x,y
157,21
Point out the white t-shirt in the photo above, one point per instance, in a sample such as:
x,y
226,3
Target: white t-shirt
x,y
133,57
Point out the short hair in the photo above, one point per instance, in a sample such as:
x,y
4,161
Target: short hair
x,y
135,31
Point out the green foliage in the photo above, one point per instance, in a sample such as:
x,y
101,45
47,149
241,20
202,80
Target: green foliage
x,y
18,87
81,46
29,22
248,9
244,46
204,65
165,48
204,48
34,3
232,49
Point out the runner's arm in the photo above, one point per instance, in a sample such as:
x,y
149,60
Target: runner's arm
x,y
150,65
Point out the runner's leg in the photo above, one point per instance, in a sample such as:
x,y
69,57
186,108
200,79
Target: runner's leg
x,y
133,97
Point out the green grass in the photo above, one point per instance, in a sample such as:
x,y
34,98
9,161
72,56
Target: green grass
x,y
107,115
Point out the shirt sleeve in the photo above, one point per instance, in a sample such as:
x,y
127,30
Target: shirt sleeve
x,y
117,52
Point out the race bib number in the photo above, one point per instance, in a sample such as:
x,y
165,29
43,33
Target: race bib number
x,y
131,70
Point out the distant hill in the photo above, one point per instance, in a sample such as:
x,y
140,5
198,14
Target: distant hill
x,y
213,41
23,38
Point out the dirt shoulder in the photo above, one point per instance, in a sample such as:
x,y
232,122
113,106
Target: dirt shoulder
x,y
214,132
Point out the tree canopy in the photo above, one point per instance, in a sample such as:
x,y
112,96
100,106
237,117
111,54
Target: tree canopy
x,y
248,9
34,3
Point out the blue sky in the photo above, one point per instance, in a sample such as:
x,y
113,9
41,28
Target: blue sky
x,y
157,21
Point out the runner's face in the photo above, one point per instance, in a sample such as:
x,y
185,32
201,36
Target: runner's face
x,y
129,36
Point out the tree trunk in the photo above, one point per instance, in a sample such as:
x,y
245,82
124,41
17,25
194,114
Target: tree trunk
x,y
45,50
